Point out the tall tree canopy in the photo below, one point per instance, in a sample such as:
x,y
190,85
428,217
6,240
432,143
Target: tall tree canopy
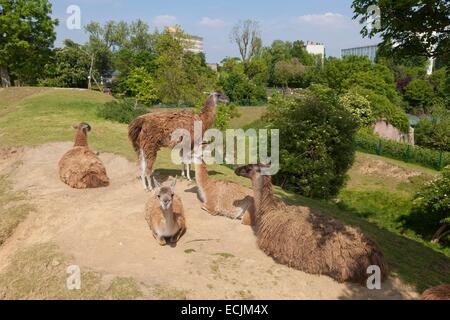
x,y
26,38
247,35
414,27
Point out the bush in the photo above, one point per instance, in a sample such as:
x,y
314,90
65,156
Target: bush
x,y
359,107
317,148
123,111
430,215
434,134
140,84
224,114
367,141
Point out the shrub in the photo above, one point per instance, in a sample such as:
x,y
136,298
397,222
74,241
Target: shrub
x,y
316,148
224,114
434,134
140,84
123,111
359,107
430,214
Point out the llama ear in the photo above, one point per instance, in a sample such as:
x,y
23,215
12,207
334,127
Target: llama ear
x,y
174,183
75,126
156,183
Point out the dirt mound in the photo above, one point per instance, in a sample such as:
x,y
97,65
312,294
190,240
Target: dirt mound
x,y
105,230
377,167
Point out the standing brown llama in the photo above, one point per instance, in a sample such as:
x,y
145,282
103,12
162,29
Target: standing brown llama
x,y
309,241
441,292
224,198
150,132
80,168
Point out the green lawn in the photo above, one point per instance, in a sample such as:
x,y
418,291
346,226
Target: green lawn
x,y
370,201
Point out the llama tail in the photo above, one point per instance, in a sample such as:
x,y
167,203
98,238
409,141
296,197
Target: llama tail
x,y
134,129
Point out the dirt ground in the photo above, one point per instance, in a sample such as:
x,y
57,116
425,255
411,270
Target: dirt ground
x,y
104,230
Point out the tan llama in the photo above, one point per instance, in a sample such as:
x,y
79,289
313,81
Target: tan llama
x,y
224,198
309,241
164,214
441,292
80,168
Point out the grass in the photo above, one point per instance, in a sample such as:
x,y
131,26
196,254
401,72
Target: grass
x,y
39,273
369,202
13,209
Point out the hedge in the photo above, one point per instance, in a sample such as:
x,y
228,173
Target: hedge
x,y
370,143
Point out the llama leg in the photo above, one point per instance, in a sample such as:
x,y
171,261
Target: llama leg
x,y
149,169
188,172
143,166
182,170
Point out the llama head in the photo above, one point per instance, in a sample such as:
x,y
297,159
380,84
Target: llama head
x,y
165,194
85,127
251,171
220,97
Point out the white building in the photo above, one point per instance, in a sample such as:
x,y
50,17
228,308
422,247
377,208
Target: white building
x,y
316,48
366,51
193,43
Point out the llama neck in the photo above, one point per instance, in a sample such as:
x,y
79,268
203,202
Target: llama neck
x,y
168,215
81,139
264,199
208,113
201,175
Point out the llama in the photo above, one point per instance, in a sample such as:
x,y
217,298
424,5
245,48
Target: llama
x,y
152,131
164,214
224,198
80,168
309,241
441,292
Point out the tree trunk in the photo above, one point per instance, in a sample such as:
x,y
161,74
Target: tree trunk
x,y
4,75
440,233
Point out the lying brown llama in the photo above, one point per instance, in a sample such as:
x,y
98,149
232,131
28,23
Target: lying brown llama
x,y
441,292
309,241
150,132
164,214
80,168
224,198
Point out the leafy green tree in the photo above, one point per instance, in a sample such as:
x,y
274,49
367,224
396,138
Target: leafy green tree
x,y
181,76
69,67
418,28
141,85
315,158
419,94
26,38
287,73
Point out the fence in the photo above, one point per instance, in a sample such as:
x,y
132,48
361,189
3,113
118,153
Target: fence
x,y
401,151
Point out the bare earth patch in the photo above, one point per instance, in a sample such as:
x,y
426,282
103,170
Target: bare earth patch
x,y
368,166
104,231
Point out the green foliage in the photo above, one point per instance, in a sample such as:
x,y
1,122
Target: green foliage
x,y
69,68
224,114
27,35
359,107
431,207
123,111
434,133
367,141
181,76
288,72
141,86
319,150
415,26
419,94
383,108
238,86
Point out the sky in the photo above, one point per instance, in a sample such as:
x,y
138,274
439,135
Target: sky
x,y
325,21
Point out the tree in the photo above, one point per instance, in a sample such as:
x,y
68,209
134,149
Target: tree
x,y
247,35
314,160
26,38
434,132
416,27
419,94
68,67
287,72
141,85
359,107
